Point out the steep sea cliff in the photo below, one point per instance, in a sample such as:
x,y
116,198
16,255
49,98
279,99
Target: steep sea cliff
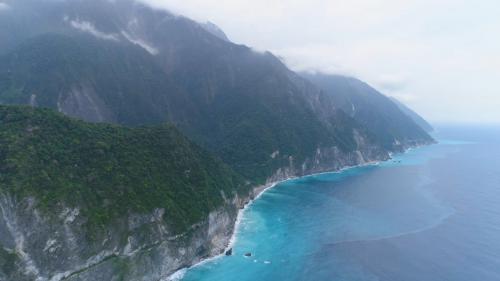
x,y
428,214
134,246
154,200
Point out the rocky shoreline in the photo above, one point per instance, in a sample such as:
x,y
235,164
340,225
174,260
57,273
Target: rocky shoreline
x,y
280,176
276,179
139,247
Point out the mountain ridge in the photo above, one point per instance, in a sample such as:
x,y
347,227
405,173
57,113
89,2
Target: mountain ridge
x,y
127,64
371,108
413,115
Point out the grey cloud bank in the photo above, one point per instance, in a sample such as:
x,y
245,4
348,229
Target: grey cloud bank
x,y
440,57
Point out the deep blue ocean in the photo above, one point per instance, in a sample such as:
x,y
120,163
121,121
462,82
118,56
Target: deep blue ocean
x,y
431,214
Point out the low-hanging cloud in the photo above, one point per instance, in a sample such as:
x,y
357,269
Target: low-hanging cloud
x,y
89,27
440,56
141,43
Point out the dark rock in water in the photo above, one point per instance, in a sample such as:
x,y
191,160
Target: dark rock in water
x,y
229,252
248,254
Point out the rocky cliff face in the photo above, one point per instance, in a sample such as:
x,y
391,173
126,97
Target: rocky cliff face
x,y
84,201
134,246
419,120
122,62
385,119
126,63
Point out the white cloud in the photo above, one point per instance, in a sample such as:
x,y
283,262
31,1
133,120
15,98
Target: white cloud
x,y
146,46
441,56
88,27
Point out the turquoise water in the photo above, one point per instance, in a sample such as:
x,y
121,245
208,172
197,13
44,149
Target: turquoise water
x,y
430,214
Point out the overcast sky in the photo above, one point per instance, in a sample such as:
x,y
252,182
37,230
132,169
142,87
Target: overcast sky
x,y
442,57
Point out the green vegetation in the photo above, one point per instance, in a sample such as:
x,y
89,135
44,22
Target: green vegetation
x,y
241,120
388,124
7,261
294,132
109,170
131,88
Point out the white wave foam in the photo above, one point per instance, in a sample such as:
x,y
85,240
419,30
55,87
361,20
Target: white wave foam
x,y
176,276
232,241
